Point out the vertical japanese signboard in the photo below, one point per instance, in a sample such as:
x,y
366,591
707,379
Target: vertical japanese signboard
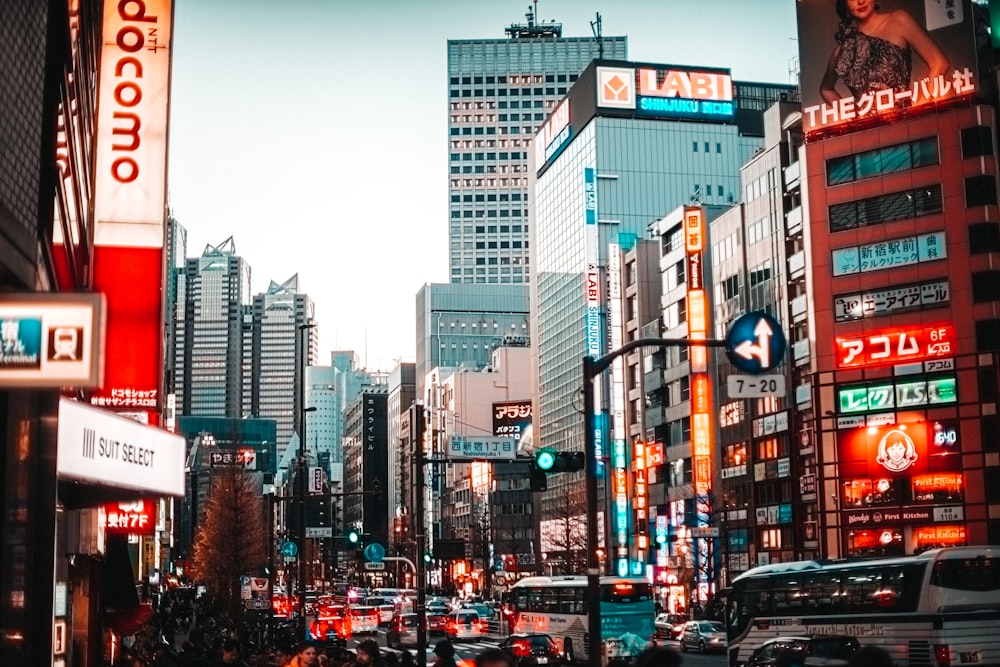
x,y
695,232
592,297
130,161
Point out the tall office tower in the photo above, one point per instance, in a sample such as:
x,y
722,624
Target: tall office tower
x,y
366,469
176,249
460,325
402,390
213,293
903,303
283,346
606,169
499,92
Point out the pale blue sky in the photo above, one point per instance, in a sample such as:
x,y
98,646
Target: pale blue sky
x,y
315,132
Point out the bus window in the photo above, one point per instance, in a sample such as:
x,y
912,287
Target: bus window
x,y
967,574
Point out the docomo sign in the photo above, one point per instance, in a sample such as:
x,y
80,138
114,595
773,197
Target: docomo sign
x,y
896,346
131,143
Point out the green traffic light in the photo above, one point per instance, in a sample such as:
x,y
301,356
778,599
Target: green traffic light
x,y
427,558
353,537
545,459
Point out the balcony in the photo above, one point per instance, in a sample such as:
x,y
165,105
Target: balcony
x,y
793,221
800,309
792,176
797,265
800,352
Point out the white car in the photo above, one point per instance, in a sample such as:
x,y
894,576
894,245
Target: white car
x,y
465,624
364,620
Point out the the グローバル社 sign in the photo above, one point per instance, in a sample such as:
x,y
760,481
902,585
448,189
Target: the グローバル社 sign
x,y
98,446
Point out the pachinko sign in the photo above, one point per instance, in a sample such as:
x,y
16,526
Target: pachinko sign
x,y
875,61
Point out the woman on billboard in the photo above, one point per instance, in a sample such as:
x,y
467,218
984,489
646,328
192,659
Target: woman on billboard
x,y
874,50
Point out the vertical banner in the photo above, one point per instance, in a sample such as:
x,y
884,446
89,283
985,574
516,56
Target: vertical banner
x,y
695,242
592,300
619,449
130,200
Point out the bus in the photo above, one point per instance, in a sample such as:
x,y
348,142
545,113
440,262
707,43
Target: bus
x,y
557,606
940,608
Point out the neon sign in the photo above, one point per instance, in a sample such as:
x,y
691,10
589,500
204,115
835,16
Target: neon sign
x,y
670,93
896,451
135,518
895,345
694,230
899,395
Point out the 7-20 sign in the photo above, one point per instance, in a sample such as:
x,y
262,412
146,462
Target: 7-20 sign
x,y
895,346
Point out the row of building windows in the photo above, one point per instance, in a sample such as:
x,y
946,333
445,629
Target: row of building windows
x,y
515,213
886,208
513,79
468,131
718,147
515,181
487,105
492,245
490,229
503,196
882,161
469,157
504,92
488,143
489,169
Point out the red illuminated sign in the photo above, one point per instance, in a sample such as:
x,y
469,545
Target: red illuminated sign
x,y
695,231
132,518
895,346
877,451
654,454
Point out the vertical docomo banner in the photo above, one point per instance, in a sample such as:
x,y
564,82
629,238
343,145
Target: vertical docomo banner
x,y
131,150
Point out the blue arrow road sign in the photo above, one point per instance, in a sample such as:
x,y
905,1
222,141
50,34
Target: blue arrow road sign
x,y
374,552
289,549
755,343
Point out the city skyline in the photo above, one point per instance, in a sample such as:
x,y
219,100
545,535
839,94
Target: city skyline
x,y
278,112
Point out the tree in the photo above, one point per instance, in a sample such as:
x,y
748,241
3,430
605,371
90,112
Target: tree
x,y
564,531
233,537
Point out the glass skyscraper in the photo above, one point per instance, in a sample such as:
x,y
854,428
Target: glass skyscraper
x,y
499,93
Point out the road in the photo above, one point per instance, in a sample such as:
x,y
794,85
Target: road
x,y
467,650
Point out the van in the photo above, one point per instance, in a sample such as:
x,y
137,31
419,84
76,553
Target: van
x,y
385,606
465,624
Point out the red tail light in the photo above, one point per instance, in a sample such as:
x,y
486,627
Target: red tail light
x,y
942,655
522,649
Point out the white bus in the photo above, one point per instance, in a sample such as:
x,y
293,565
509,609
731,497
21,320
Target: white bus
x,y
557,606
940,608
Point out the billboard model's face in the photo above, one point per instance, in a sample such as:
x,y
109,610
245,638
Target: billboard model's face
x,y
865,62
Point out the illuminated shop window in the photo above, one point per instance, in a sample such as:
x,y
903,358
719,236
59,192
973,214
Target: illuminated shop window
x,y
939,487
880,542
935,537
869,492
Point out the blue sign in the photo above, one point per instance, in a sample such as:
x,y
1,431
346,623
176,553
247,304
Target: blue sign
x,y
755,343
289,549
374,552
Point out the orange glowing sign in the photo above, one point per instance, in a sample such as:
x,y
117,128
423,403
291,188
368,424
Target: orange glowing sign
x,y
130,518
896,345
694,230
654,454
877,451
686,84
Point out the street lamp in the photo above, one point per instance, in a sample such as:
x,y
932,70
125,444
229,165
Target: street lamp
x,y
304,356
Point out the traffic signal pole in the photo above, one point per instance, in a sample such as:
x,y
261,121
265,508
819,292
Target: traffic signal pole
x,y
419,522
591,369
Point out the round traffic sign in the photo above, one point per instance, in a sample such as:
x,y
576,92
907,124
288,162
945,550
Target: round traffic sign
x,y
500,580
289,549
374,552
755,342
258,604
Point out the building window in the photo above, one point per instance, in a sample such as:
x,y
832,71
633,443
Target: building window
x,y
886,208
977,141
881,161
986,286
984,237
980,190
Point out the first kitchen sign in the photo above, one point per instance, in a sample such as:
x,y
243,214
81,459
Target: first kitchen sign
x,y
100,447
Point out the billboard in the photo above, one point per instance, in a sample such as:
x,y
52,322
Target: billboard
x,y
896,345
136,517
512,419
882,60
664,91
899,395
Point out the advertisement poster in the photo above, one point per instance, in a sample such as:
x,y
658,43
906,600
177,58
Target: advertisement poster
x,y
881,60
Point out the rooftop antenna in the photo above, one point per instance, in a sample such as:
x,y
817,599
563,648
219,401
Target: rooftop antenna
x,y
595,27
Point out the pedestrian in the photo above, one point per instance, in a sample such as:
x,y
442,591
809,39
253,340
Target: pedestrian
x,y
445,652
658,656
231,655
282,656
305,656
494,657
406,659
369,654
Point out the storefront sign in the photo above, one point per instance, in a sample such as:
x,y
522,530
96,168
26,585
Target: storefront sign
x,y
888,254
899,395
894,300
130,518
895,346
868,518
51,340
98,446
512,419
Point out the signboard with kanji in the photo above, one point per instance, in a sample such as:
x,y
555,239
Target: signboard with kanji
x,y
481,447
137,517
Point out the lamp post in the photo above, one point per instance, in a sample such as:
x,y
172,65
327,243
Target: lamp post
x,y
591,369
304,356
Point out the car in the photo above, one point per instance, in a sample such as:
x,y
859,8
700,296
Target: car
x,y
531,649
817,650
465,624
402,631
437,622
364,620
330,625
485,612
386,608
704,636
670,627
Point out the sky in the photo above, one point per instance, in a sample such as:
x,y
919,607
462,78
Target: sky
x,y
314,132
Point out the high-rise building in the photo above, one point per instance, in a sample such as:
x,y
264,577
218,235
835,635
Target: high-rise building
x,y
213,297
499,93
283,345
628,144
459,325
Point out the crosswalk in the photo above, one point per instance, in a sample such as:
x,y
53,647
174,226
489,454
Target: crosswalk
x,y
461,648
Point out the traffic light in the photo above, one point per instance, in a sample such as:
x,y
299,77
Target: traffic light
x,y
548,461
354,538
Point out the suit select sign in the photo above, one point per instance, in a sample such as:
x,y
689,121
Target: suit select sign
x,y
95,445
